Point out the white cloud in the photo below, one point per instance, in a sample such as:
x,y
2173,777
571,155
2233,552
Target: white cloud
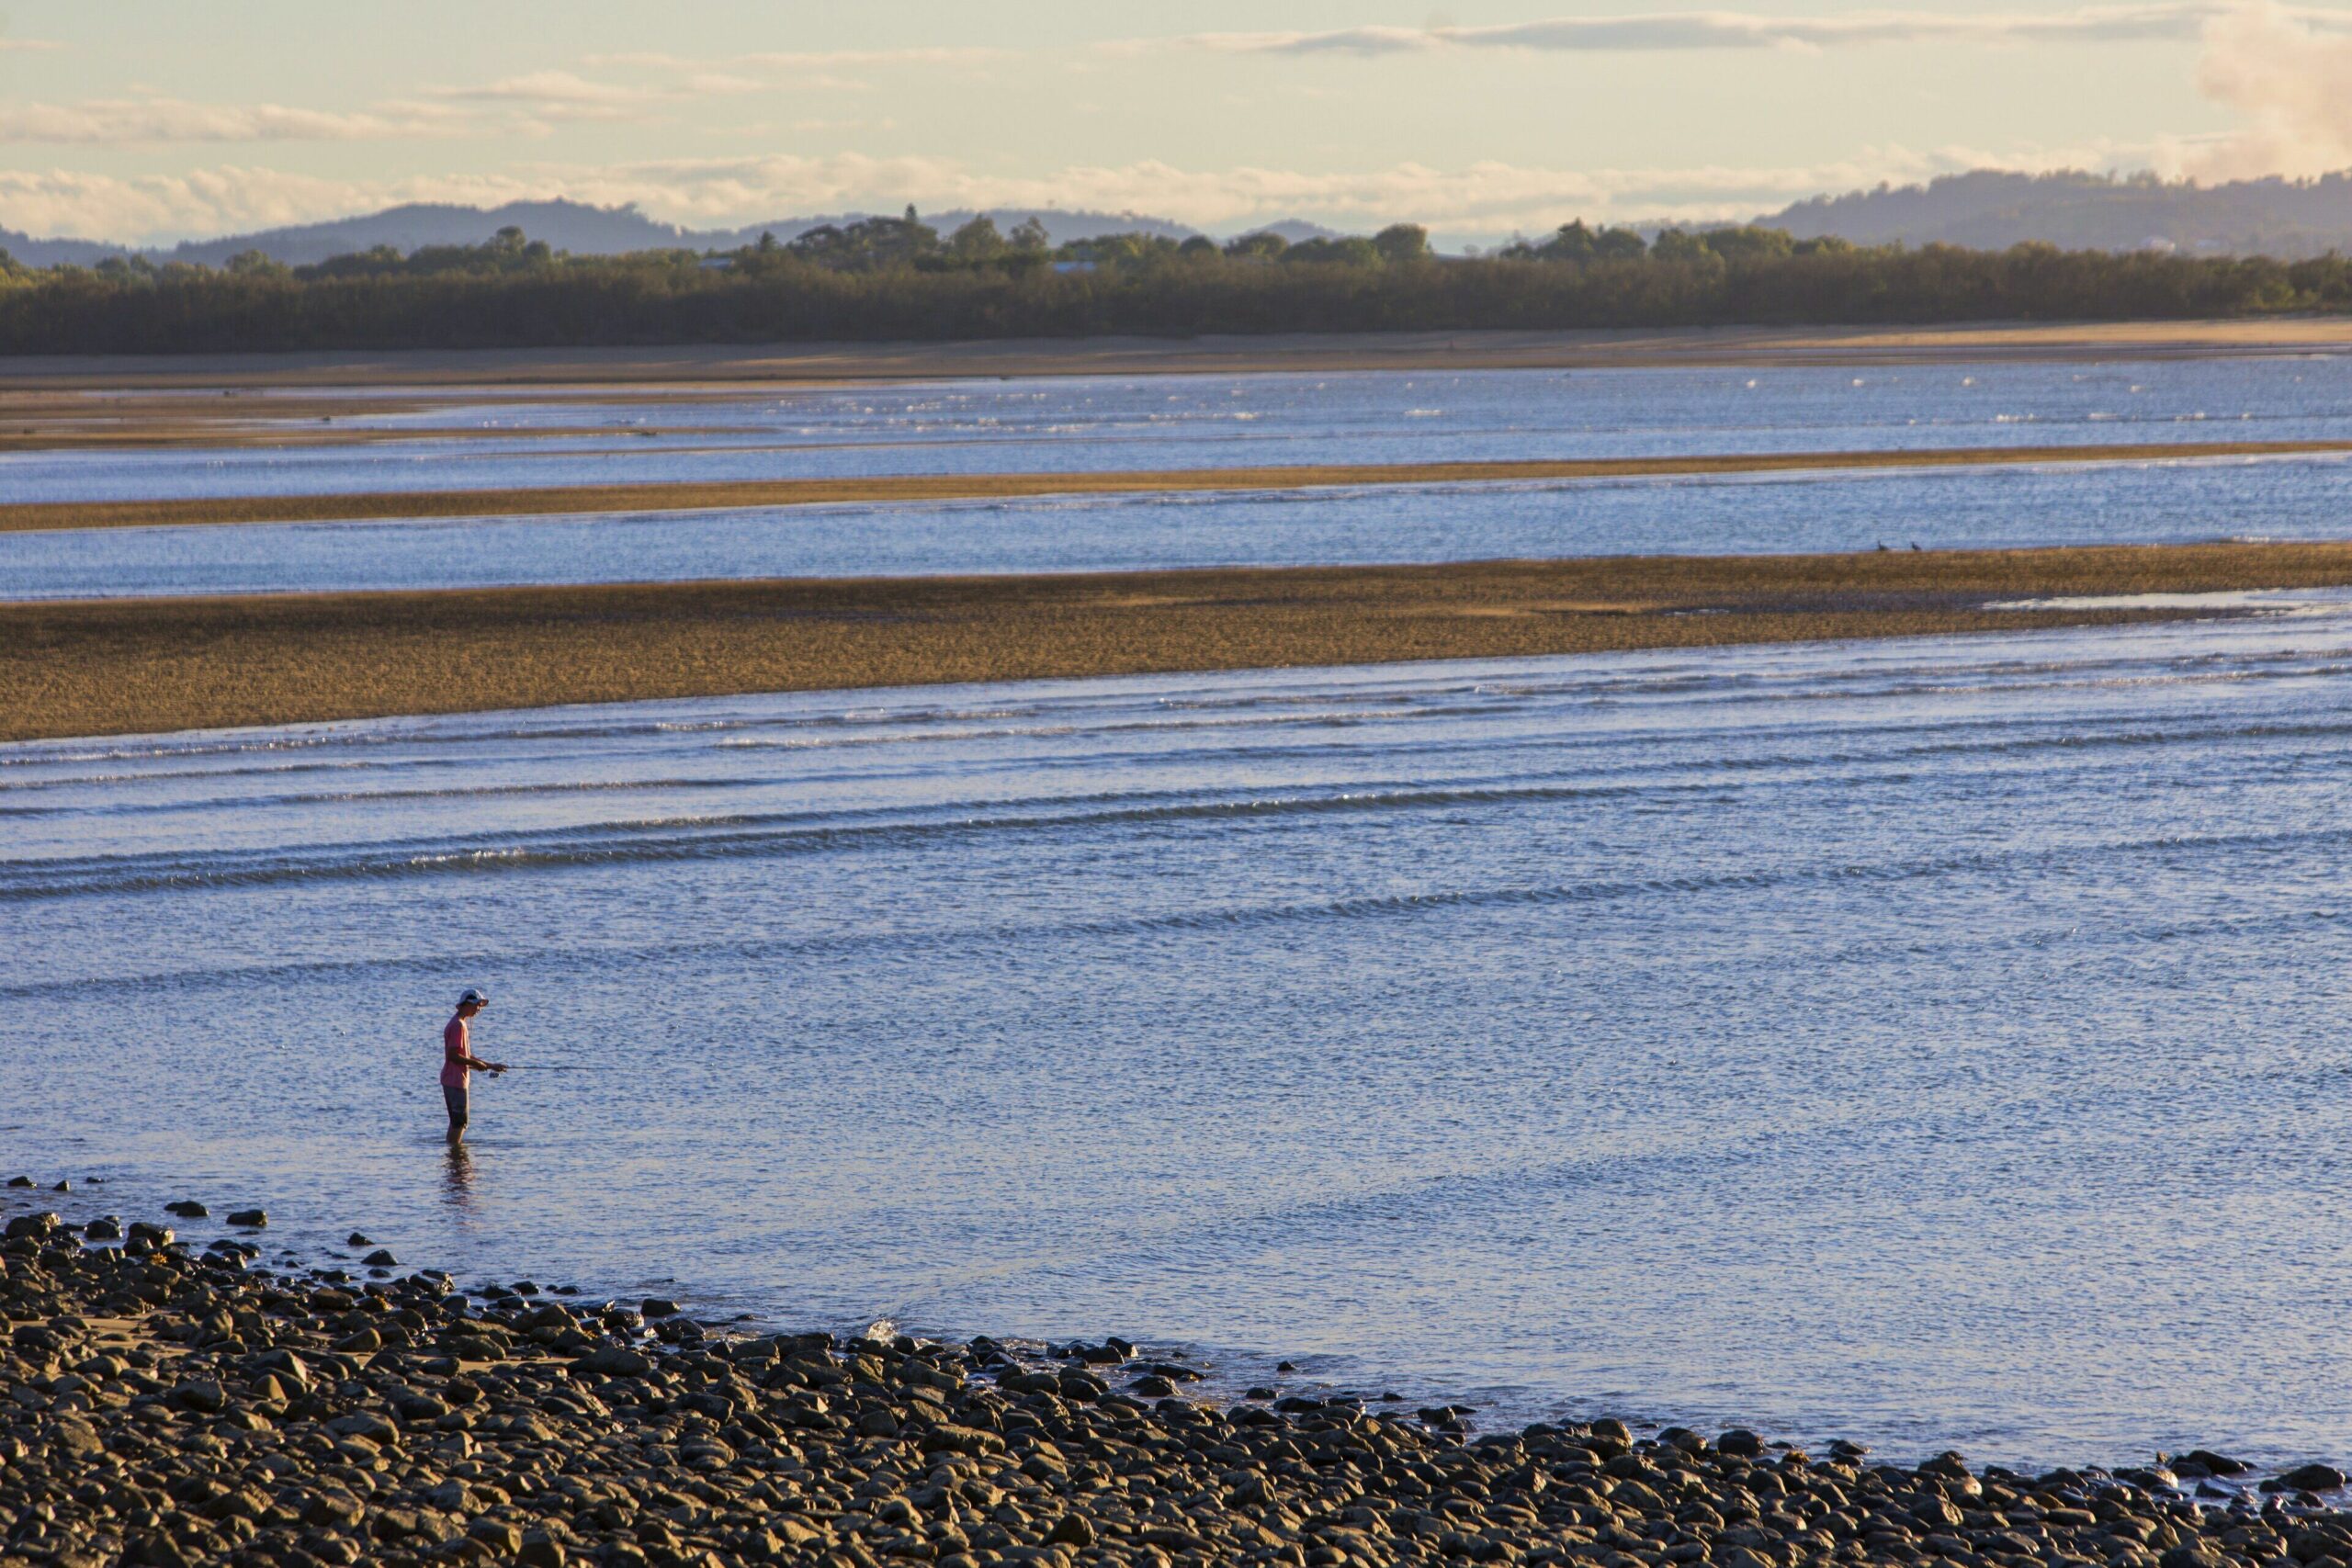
x,y
557,95
819,60
125,121
26,45
2292,85
226,199
2171,19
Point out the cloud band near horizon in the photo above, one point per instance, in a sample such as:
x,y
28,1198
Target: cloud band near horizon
x,y
2175,21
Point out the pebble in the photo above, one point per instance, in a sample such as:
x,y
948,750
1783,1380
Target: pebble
x,y
252,1417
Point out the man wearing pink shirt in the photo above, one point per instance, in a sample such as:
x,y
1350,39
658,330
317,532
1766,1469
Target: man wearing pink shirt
x,y
457,1059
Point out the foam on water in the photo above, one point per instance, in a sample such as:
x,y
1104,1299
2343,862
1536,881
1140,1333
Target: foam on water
x,y
1933,1042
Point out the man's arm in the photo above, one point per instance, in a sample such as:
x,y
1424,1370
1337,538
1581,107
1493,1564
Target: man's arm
x,y
478,1065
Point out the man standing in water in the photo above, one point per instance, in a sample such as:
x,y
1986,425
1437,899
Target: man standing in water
x,y
457,1059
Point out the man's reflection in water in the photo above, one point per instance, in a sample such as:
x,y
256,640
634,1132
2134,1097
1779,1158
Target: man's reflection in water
x,y
457,1177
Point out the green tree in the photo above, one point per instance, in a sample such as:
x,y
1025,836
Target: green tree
x,y
1263,245
1748,242
1345,251
978,242
1402,242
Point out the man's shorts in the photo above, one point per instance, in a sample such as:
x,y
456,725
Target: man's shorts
x,y
455,1097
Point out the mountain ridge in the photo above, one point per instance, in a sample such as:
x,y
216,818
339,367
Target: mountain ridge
x,y
579,227
1981,209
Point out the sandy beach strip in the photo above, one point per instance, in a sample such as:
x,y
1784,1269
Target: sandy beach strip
x,y
142,666
1226,353
688,496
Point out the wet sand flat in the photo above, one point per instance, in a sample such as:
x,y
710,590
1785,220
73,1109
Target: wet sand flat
x,y
1213,355
132,666
577,500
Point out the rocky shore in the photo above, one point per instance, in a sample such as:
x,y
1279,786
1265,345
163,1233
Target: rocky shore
x,y
163,1406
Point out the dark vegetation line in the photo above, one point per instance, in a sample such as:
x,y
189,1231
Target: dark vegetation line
x,y
898,279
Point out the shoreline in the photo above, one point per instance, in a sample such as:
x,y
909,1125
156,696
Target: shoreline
x,y
149,666
733,494
1589,348
315,1416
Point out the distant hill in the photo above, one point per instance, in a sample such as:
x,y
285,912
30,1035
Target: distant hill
x,y
1992,210
566,225
1983,209
51,252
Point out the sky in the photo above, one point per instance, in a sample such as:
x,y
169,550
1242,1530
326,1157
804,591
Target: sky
x,y
138,121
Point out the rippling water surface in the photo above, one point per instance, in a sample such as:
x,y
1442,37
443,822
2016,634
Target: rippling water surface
x,y
1936,1042
1082,424
1208,421
2143,503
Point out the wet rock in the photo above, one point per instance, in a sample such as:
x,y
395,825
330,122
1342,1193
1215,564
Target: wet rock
x,y
380,1258
250,1219
655,1307
1740,1442
187,1209
105,1227
2311,1478
20,1181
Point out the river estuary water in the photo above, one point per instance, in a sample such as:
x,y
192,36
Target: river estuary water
x,y
1208,421
1940,1042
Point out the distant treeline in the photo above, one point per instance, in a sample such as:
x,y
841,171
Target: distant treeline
x,y
898,279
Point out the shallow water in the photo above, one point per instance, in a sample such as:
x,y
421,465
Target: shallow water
x,y
1935,1041
2302,498
1083,424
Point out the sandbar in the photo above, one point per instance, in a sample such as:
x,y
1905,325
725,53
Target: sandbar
x,y
146,666
585,500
